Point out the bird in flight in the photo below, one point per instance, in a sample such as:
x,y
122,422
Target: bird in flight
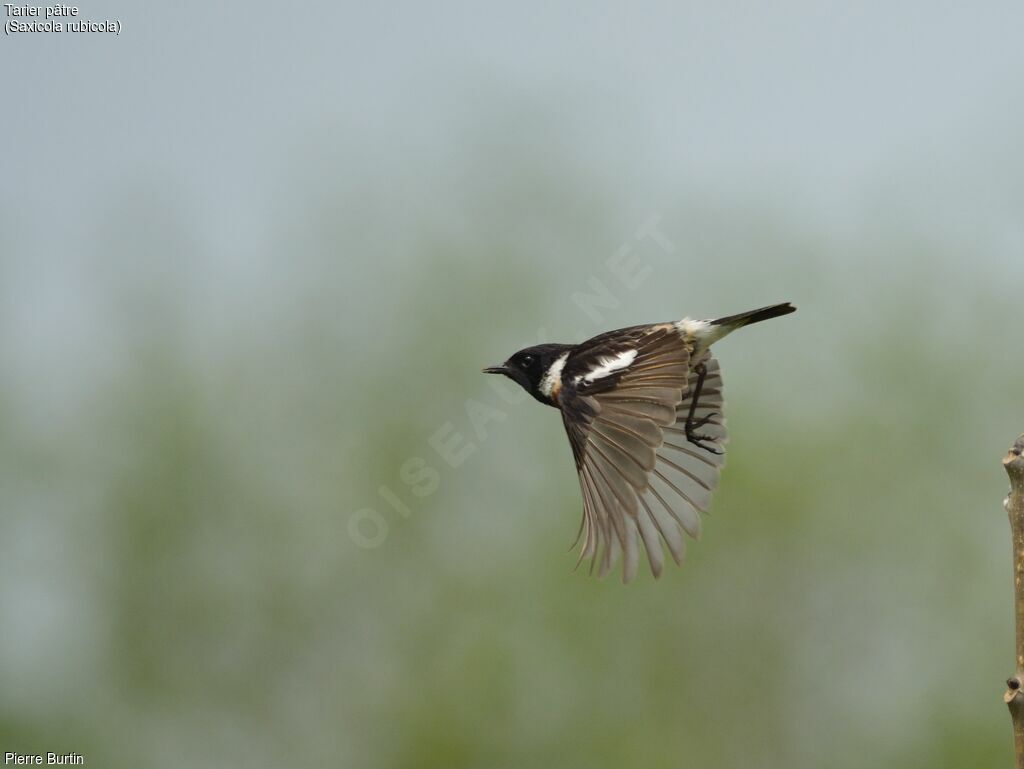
x,y
643,409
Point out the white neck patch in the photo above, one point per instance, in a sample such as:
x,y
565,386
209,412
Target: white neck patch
x,y
554,374
608,366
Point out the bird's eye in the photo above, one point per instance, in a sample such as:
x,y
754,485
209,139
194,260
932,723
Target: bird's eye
x,y
527,361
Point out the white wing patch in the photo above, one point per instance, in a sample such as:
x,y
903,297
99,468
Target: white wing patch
x,y
554,374
608,366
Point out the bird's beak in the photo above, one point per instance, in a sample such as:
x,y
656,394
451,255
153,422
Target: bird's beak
x,y
496,370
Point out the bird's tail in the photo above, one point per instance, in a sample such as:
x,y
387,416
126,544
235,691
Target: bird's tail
x,y
733,322
706,332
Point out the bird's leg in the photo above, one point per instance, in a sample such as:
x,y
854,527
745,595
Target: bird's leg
x,y
694,424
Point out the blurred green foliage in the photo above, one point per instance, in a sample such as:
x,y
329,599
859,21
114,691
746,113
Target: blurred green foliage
x,y
179,586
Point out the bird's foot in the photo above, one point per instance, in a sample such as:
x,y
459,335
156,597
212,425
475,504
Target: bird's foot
x,y
697,439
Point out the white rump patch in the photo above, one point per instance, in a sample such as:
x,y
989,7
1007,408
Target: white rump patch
x,y
547,384
692,329
701,333
608,366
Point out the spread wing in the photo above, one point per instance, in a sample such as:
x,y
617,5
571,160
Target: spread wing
x,y
624,403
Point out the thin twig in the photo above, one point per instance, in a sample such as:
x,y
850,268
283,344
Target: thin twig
x,y
1014,504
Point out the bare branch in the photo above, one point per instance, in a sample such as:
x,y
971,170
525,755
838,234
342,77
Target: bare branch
x,y
1014,504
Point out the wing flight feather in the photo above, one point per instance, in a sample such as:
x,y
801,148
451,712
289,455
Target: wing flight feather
x,y
642,480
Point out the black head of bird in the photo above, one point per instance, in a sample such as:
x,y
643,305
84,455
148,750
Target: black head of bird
x,y
529,366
